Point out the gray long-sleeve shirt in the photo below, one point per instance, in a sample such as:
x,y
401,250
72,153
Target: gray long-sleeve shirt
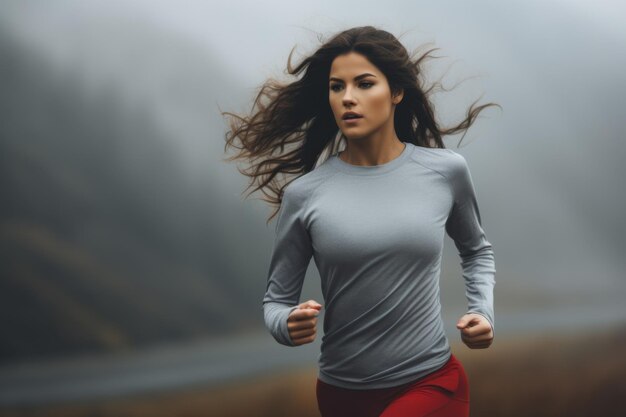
x,y
376,234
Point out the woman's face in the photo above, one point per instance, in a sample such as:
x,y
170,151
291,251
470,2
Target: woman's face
x,y
355,84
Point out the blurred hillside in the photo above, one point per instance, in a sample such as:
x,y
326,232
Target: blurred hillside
x,y
104,243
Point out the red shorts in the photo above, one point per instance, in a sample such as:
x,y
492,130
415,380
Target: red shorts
x,y
443,393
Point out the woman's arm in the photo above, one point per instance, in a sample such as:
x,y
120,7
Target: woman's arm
x,y
290,259
465,228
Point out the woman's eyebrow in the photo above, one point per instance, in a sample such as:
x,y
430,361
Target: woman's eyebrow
x,y
358,77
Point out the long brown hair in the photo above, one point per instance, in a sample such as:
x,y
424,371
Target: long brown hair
x,y
291,124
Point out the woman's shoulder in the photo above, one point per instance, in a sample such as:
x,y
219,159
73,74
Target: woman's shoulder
x,y
447,162
303,186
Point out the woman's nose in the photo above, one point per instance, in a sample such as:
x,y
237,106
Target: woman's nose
x,y
347,97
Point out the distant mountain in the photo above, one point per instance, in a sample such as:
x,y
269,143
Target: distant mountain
x,y
104,243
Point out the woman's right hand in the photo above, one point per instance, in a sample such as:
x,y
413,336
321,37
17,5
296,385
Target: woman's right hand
x,y
302,322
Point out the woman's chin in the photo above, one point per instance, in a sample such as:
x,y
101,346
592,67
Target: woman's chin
x,y
353,134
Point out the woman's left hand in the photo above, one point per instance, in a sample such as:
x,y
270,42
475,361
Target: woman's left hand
x,y
476,332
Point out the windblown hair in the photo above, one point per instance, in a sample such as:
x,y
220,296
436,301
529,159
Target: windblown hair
x,y
287,135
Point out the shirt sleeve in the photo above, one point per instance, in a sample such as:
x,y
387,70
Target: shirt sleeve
x,y
292,252
464,226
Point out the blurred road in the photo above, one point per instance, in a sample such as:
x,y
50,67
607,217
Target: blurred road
x,y
159,368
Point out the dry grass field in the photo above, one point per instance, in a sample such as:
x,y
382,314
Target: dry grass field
x,y
537,375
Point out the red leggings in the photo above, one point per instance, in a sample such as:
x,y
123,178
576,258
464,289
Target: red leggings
x,y
443,393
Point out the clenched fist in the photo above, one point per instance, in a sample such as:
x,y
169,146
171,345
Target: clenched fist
x,y
302,322
476,332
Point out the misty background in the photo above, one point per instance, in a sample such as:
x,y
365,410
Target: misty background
x,y
123,230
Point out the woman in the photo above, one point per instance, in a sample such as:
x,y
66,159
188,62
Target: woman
x,y
373,216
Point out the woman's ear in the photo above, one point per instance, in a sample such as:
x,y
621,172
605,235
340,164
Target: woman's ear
x,y
397,98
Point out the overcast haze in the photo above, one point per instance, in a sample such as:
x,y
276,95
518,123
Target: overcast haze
x,y
548,168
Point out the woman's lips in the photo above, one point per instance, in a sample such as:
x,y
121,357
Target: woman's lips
x,y
352,121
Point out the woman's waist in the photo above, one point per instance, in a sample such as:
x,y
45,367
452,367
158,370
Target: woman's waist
x,y
371,368
370,353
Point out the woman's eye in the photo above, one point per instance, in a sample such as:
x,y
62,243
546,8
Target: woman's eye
x,y
368,85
